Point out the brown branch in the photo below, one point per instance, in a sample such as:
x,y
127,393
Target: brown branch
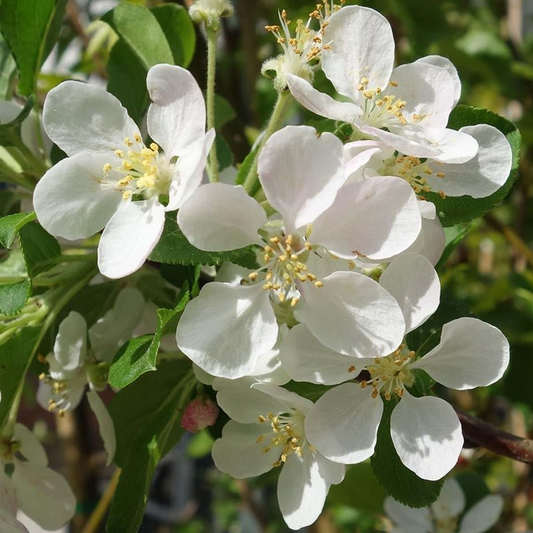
x,y
496,440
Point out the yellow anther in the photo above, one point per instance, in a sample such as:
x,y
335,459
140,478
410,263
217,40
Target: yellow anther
x,y
375,393
154,147
442,194
441,175
261,419
266,258
127,165
282,297
393,83
266,450
294,302
42,376
351,369
107,167
127,141
318,284
126,195
282,258
274,240
363,384
253,276
119,153
137,138
260,439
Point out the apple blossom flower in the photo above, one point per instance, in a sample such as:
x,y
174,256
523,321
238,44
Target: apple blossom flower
x,y
34,488
267,430
406,108
198,415
111,179
425,431
444,515
228,327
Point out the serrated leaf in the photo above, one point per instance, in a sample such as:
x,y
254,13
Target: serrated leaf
x,y
38,247
10,226
179,31
146,417
397,480
16,353
173,248
139,355
13,297
30,28
10,131
140,30
457,210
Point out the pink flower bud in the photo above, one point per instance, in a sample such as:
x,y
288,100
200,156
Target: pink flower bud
x,y
198,415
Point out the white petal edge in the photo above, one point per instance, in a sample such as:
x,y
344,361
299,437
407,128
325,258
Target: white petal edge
x,y
482,515
71,342
409,519
445,63
451,501
105,423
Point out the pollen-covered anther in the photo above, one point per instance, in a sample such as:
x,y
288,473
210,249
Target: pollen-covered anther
x,y
107,168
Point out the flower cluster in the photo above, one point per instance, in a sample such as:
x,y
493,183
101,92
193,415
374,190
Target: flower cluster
x,y
345,241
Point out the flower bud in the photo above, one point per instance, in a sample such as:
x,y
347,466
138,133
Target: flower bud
x,y
199,414
210,12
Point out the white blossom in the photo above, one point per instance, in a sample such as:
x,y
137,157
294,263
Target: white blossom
x,y
111,179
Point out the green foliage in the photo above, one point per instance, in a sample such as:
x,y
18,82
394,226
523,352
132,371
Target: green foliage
x,y
454,236
398,481
139,355
8,68
39,248
457,210
225,157
146,416
13,296
224,113
174,248
10,226
30,29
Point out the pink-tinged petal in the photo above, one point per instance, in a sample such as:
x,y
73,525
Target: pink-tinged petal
x,y
72,200
129,237
353,315
176,118
80,117
220,217
343,424
377,218
301,173
471,353
321,103
362,46
226,328
427,435
415,285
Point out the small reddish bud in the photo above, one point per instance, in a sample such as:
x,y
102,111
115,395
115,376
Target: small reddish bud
x,y
199,414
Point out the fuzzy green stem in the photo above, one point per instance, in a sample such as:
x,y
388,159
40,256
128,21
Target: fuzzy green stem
x,y
280,109
212,37
63,297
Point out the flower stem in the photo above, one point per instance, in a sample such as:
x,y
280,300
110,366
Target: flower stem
x,y
280,109
212,37
103,505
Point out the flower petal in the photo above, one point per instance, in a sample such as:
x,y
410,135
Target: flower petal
x,y
451,501
105,423
321,103
377,218
482,175
9,523
415,285
30,447
268,368
116,327
176,117
226,328
71,201
302,490
409,519
239,454
483,515
358,154
71,342
80,117
471,353
304,358
238,218
129,237
353,315
428,91
446,64
427,435
362,46
43,495
301,173
189,171
431,241
343,424
243,400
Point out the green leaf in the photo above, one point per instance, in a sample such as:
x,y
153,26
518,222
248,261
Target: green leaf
x,y
174,248
16,353
30,28
10,131
427,336
179,31
397,480
360,490
8,68
38,247
141,31
246,165
454,236
224,113
457,210
11,225
146,417
13,297
139,355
